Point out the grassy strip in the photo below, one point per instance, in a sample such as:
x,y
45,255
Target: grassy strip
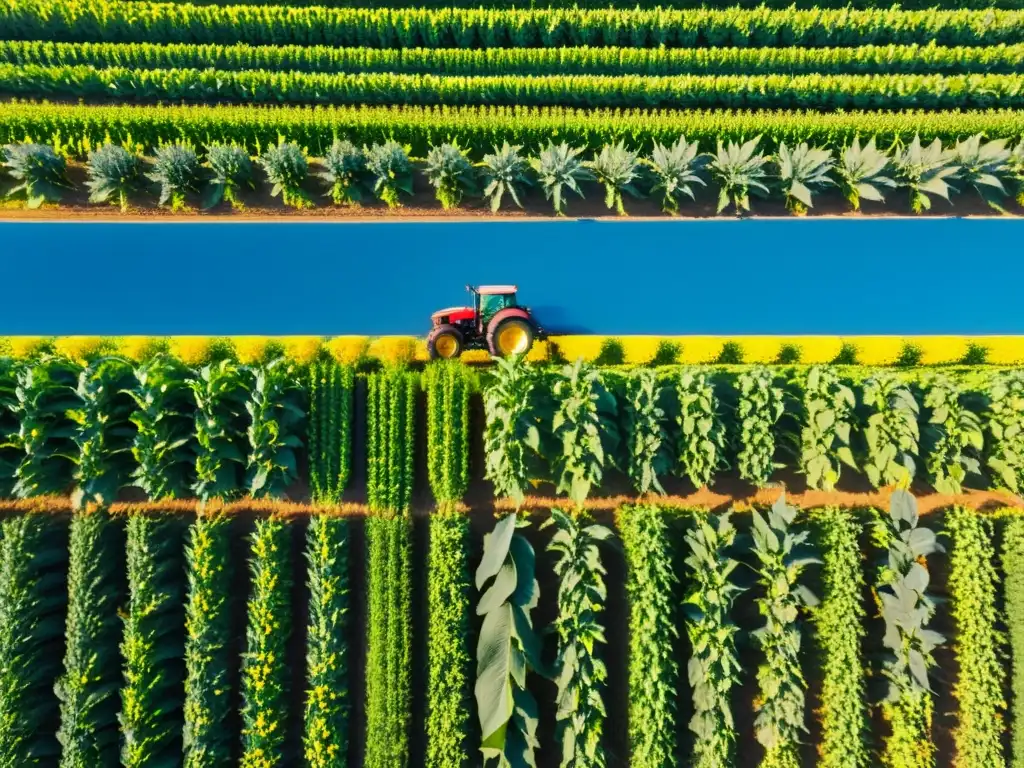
x,y
142,21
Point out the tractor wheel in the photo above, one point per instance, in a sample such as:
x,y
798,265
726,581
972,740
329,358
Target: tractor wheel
x,y
510,337
444,342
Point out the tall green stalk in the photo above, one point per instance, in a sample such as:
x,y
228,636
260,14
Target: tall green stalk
x,y
329,429
276,421
1012,566
448,387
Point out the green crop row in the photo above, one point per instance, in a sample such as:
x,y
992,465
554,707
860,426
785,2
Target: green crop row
x,y
329,429
864,60
824,92
122,21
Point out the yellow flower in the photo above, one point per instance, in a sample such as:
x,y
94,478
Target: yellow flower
x,y
393,349
877,350
24,347
80,349
576,347
817,350
936,350
760,349
476,356
699,350
348,349
251,349
192,350
1003,350
301,349
539,352
139,348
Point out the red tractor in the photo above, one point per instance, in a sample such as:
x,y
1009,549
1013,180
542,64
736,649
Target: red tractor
x,y
495,323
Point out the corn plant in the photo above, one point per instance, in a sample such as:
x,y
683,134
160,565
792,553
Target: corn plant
x,y
739,170
505,171
40,173
177,170
33,595
229,170
559,171
1011,564
391,171
584,425
861,172
653,636
329,428
391,420
1005,431
701,447
803,171
277,417
978,641
286,167
675,169
114,174
618,170
508,648
925,171
265,672
714,667
983,166
891,431
450,174
953,435
448,387
219,391
783,554
205,740
345,172
579,672
648,446
828,406
448,648
907,608
325,738
759,409
511,434
839,631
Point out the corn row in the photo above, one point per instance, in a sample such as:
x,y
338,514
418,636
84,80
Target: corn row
x,y
447,385
1014,4
142,21
868,59
391,417
329,437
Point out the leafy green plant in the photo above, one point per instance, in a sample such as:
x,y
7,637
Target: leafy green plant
x,y
978,642
327,697
862,172
448,650
783,555
391,421
739,170
611,353
839,631
345,172
789,354
559,169
648,447
618,169
389,166
925,171
983,167
675,170
701,445
219,391
505,171
329,428
910,355
33,595
265,672
891,431
114,174
511,434
907,608
1005,430
230,170
828,406
451,174
653,635
277,417
714,668
448,386
177,170
730,354
803,171
205,740
286,167
8,425
1012,568
508,648
40,173
759,409
1016,166
666,353
579,672
953,435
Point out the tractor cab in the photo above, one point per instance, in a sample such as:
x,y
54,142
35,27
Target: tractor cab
x,y
495,322
489,300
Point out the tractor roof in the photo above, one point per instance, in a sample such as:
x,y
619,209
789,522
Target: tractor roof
x,y
488,290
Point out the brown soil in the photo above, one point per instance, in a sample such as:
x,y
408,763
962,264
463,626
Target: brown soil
x,y
424,207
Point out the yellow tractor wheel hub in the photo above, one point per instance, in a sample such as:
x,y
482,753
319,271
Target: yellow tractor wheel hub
x,y
513,339
446,346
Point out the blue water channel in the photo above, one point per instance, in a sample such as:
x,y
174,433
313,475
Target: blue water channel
x,y
857,276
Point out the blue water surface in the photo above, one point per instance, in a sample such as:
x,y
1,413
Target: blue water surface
x,y
824,276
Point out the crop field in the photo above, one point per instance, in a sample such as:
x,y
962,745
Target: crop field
x,y
319,551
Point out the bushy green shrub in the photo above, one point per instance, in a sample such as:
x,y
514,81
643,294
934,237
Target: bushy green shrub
x,y
559,170
177,170
391,171
511,436
230,171
924,171
618,170
701,446
287,168
676,169
861,172
114,174
828,405
219,390
953,436
759,410
740,170
345,172
39,172
1005,430
505,171
277,419
450,174
329,428
891,432
803,171
647,443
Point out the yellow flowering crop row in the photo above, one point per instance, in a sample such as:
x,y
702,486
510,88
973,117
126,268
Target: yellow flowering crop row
x,y
866,350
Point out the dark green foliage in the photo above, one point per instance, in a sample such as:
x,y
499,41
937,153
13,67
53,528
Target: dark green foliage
x,y
219,391
230,170
40,173
910,355
701,447
976,354
978,642
277,418
207,646
390,171
648,447
953,437
653,633
33,595
847,355
265,670
329,429
345,172
759,410
448,387
327,652
287,168
611,353
789,354
1005,427
448,651
667,353
1012,567
828,405
8,425
511,434
114,174
506,170
451,174
559,170
730,354
839,632
891,431
390,425
177,170
152,696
